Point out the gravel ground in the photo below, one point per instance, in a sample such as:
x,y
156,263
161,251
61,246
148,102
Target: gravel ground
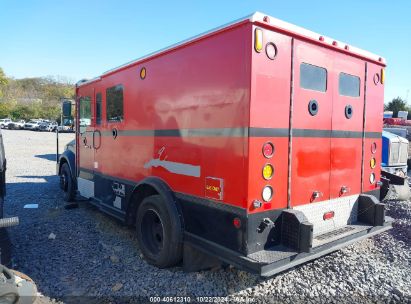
x,y
83,255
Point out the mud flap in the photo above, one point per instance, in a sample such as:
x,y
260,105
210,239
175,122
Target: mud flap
x,y
195,260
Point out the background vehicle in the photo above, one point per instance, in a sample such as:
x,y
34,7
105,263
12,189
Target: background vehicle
x,y
52,126
395,149
43,126
405,133
32,125
17,125
4,123
193,146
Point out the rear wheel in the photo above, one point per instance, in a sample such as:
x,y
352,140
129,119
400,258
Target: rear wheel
x,y
159,232
66,183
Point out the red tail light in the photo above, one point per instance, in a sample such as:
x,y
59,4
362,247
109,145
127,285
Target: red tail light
x,y
268,150
237,223
328,215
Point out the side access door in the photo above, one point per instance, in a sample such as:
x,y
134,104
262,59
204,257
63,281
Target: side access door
x,y
311,124
85,150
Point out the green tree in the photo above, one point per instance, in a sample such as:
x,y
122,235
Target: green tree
x,y
5,108
396,105
3,79
3,82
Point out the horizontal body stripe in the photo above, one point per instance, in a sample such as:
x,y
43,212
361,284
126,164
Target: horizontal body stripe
x,y
242,132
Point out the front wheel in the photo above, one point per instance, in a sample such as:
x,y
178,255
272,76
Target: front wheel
x,y
66,183
159,232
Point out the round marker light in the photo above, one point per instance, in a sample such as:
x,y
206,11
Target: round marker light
x,y
268,150
373,147
267,193
268,171
373,163
372,178
143,73
237,223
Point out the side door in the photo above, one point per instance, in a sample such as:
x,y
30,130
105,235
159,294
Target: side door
x,y
86,123
311,124
347,125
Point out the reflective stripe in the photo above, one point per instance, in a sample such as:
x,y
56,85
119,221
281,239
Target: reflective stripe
x,y
243,132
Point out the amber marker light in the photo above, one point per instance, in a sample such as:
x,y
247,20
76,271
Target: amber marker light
x,y
143,73
258,40
268,171
373,163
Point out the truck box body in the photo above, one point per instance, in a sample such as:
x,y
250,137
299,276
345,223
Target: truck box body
x,y
198,115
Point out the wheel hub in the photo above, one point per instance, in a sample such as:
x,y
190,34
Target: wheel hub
x,y
152,231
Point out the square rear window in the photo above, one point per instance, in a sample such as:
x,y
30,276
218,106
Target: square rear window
x,y
349,85
313,77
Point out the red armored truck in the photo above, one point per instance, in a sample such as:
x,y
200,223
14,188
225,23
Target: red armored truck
x,y
257,144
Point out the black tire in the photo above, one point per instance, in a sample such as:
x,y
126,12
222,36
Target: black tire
x,y
159,232
66,183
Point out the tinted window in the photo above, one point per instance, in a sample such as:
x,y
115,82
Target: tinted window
x,y
98,108
114,102
85,111
349,85
313,77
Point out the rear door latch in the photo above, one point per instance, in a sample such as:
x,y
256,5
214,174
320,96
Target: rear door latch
x,y
266,222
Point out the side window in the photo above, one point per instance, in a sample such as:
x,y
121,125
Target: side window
x,y
98,108
85,111
313,77
114,103
349,85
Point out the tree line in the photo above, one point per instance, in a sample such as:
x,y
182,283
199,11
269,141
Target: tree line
x,y
396,105
30,98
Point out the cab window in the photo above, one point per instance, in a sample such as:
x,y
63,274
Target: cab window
x,y
114,104
313,77
85,111
349,85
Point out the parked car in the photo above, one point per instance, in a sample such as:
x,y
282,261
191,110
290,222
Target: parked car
x,y
43,126
32,125
17,125
52,126
4,123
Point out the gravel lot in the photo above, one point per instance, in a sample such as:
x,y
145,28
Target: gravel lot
x,y
93,258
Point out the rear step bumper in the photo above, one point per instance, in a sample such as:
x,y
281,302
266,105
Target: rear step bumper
x,y
276,259
297,243
272,263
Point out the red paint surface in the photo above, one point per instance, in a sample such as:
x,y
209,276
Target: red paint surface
x,y
219,81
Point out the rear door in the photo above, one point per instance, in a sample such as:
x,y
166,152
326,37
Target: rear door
x,y
311,124
347,125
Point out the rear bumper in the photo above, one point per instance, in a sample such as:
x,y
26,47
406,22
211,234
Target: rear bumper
x,y
296,242
279,258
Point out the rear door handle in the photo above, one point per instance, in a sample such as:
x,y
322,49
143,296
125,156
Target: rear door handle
x,y
94,139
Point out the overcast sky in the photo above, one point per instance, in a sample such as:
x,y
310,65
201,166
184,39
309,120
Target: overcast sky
x,y
83,38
